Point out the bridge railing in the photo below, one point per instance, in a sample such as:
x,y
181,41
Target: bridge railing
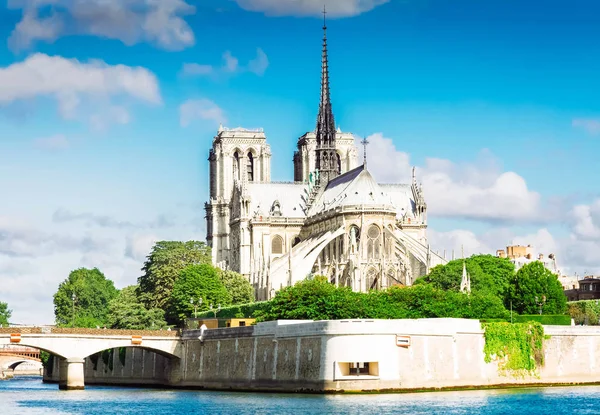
x,y
89,332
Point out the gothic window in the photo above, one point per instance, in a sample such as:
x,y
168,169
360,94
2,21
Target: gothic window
x,y
250,167
236,166
339,163
353,239
373,242
277,245
372,280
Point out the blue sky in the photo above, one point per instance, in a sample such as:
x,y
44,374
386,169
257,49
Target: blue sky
x,y
108,108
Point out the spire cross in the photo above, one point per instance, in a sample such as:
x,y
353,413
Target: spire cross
x,y
365,143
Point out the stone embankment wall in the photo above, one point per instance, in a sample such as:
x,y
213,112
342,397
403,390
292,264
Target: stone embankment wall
x,y
318,356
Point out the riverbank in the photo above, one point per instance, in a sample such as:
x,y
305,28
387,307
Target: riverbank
x,y
358,356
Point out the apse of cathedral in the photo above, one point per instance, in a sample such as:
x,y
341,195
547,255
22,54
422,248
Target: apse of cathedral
x,y
334,220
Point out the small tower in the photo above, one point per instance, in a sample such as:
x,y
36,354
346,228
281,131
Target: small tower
x,y
465,283
419,198
328,160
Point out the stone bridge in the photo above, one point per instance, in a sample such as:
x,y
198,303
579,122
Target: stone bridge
x,y
73,345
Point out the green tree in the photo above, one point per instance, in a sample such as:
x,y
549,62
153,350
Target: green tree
x,y
314,299
5,314
536,281
194,282
162,267
126,312
239,287
317,299
82,299
489,274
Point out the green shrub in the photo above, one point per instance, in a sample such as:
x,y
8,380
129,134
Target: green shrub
x,y
584,312
545,319
236,311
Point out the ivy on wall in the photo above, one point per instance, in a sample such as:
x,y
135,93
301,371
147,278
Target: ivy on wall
x,y
518,348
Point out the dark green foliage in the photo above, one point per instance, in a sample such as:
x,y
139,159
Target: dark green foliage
x,y
5,314
194,282
237,311
122,355
92,292
127,312
317,299
163,266
239,287
534,280
545,319
518,348
489,274
584,312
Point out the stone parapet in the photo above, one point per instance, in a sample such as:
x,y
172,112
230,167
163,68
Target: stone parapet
x,y
89,331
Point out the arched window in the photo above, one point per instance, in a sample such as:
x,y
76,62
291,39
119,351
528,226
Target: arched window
x,y
339,163
236,166
372,280
277,245
373,241
250,167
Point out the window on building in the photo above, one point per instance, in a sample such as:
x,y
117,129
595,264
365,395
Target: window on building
x,y
373,242
236,166
250,165
339,163
359,368
277,245
242,323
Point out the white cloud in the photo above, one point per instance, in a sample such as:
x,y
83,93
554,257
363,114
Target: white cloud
x,y
335,8
473,191
585,220
159,22
231,65
72,83
55,142
138,247
259,64
590,125
203,109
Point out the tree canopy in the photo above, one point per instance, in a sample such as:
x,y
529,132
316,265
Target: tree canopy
x,y
317,299
197,282
126,312
82,299
239,287
162,267
5,314
534,284
489,274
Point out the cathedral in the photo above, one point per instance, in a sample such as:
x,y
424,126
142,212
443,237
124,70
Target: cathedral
x,y
334,219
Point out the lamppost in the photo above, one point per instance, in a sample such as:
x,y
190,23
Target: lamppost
x,y
198,303
73,298
215,310
540,303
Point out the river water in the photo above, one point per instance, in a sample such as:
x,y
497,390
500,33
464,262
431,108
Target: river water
x,y
28,395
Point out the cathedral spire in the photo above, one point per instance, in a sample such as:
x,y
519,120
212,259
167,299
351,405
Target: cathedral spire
x,y
328,162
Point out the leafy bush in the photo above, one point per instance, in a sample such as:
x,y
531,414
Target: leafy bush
x,y
317,299
545,319
236,311
584,312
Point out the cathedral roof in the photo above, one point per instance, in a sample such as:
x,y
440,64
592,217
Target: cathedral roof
x,y
355,187
288,194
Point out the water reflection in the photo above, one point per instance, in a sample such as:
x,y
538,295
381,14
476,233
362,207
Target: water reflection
x,y
31,396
